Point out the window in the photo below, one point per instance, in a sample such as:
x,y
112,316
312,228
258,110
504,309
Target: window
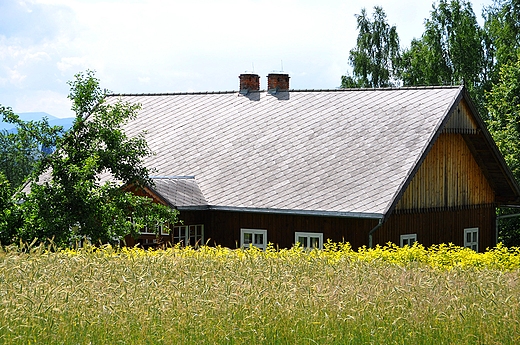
x,y
144,230
471,238
187,235
408,239
309,240
255,237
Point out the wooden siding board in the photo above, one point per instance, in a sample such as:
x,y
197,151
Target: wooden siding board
x,y
432,227
441,226
448,177
461,120
281,227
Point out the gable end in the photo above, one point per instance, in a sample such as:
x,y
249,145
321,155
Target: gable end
x,y
449,178
461,121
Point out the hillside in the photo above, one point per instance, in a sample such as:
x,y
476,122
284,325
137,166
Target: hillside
x,y
66,123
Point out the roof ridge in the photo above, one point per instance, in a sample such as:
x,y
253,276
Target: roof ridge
x,y
432,87
426,87
172,93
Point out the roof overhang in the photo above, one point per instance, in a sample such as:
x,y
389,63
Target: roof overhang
x,y
491,161
287,211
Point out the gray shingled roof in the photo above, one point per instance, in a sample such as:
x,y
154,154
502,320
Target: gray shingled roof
x,y
179,191
337,152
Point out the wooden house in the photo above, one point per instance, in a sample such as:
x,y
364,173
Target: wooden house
x,y
367,166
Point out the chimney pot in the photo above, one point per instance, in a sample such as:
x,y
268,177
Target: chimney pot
x,y
277,82
249,82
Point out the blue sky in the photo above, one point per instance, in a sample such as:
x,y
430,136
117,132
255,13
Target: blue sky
x,y
152,46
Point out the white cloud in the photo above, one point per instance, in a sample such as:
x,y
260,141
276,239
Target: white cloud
x,y
51,102
14,77
77,63
19,64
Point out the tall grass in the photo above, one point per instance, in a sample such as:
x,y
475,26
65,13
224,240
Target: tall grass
x,y
442,295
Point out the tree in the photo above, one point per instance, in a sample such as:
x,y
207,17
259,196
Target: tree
x,y
503,103
376,56
503,27
21,149
83,193
9,212
450,51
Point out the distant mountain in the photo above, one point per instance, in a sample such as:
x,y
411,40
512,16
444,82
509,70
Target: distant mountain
x,y
66,123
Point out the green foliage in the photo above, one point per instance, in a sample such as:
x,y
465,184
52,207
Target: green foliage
x,y
503,101
503,104
21,150
509,233
376,56
450,51
10,215
17,159
503,27
20,154
81,190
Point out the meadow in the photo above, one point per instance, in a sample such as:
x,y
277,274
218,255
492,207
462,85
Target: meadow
x,y
214,295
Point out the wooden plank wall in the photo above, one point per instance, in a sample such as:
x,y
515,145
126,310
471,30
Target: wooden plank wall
x,y
461,121
449,177
441,226
431,226
223,227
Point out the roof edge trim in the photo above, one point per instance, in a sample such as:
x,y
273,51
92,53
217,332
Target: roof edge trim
x,y
193,208
153,193
300,212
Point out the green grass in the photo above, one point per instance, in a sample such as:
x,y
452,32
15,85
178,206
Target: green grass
x,y
217,296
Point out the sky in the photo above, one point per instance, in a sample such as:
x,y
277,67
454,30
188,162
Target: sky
x,y
156,46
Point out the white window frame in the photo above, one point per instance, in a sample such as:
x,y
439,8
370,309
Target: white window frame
x,y
308,235
192,235
254,232
409,238
473,238
162,230
144,230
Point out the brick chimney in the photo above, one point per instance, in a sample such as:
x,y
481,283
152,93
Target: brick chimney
x,y
277,82
249,82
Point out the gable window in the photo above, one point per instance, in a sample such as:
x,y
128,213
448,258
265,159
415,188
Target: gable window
x,y
407,240
187,235
255,237
309,240
471,238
